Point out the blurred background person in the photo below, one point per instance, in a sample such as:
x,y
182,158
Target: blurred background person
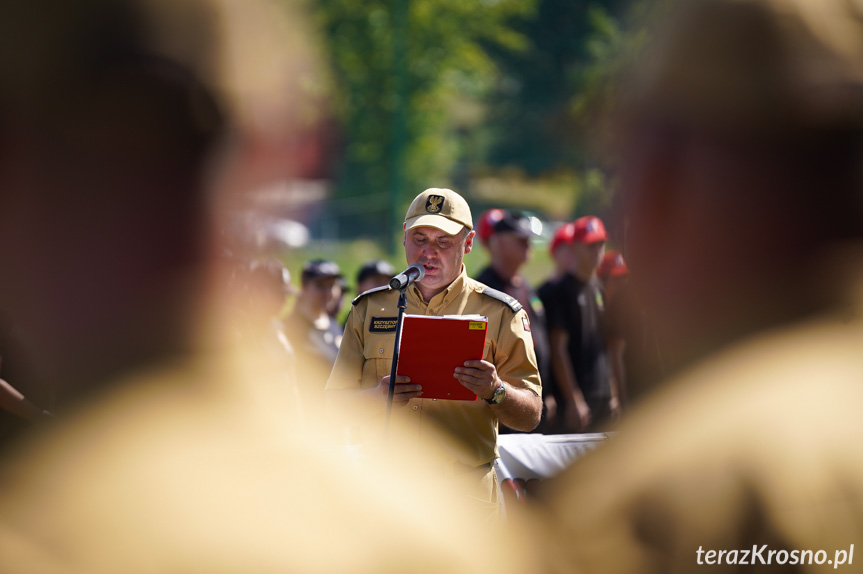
x,y
313,332
561,256
334,307
634,350
579,357
741,153
374,273
507,235
310,325
613,273
614,276
263,288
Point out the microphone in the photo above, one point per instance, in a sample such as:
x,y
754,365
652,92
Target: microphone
x,y
415,272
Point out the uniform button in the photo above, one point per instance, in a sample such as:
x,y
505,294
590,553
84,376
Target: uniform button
x,y
416,408
381,351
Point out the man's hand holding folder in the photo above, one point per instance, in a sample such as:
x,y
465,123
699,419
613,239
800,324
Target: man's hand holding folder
x,y
479,377
403,390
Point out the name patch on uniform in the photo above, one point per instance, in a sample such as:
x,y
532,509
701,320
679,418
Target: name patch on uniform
x,y
383,324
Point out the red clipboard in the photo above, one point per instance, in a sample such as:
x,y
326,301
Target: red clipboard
x,y
432,347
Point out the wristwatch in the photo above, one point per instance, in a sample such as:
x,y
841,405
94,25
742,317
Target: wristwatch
x,y
498,396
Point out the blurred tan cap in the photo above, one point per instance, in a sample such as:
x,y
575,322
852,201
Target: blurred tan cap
x,y
443,209
762,62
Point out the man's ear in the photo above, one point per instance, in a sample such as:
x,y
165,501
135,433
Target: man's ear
x,y
468,242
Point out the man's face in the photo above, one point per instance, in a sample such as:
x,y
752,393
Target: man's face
x,y
587,256
322,293
510,246
439,253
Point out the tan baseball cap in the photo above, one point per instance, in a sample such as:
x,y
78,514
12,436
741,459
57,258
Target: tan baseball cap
x,y
441,208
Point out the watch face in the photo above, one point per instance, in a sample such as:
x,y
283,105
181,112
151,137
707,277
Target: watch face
x,y
499,394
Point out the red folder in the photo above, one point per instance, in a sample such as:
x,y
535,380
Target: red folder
x,y
432,347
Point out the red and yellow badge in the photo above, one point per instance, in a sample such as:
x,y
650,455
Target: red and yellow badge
x,y
526,323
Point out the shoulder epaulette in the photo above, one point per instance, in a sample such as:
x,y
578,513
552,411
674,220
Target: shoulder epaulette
x,y
509,301
369,292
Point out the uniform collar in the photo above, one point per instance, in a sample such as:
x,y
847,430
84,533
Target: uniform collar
x,y
458,285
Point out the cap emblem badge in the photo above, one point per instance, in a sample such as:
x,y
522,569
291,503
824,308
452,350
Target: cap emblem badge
x,y
434,203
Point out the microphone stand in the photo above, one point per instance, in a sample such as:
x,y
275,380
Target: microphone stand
x,y
402,305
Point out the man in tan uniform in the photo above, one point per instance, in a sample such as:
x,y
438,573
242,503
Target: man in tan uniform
x,y
438,234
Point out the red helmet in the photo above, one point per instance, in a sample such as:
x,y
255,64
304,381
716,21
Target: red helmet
x,y
612,265
485,227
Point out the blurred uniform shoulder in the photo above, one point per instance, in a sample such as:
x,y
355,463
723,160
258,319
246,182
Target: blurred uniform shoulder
x,y
370,292
507,300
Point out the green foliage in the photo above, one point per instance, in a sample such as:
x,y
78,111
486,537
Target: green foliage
x,y
512,96
551,111
442,61
531,109
613,46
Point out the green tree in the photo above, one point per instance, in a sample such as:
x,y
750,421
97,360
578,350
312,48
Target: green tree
x,y
532,104
439,64
553,106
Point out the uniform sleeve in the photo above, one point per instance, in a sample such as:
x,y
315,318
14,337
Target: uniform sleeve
x,y
348,369
514,356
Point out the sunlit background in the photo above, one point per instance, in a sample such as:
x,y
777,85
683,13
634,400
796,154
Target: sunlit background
x,y
505,101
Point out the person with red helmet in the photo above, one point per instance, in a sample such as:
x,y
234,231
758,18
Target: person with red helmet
x,y
614,275
561,256
579,358
612,271
507,234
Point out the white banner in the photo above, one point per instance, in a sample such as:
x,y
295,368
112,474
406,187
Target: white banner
x,y
526,459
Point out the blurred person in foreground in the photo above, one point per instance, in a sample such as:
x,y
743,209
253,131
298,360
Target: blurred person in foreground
x,y
17,414
742,166
453,437
507,235
579,356
170,452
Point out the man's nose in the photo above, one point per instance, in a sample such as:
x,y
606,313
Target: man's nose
x,y
430,250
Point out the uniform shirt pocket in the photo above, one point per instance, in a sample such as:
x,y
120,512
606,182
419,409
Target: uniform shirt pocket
x,y
378,353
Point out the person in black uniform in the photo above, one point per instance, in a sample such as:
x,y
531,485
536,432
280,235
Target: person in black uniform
x,y
579,358
559,248
507,235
